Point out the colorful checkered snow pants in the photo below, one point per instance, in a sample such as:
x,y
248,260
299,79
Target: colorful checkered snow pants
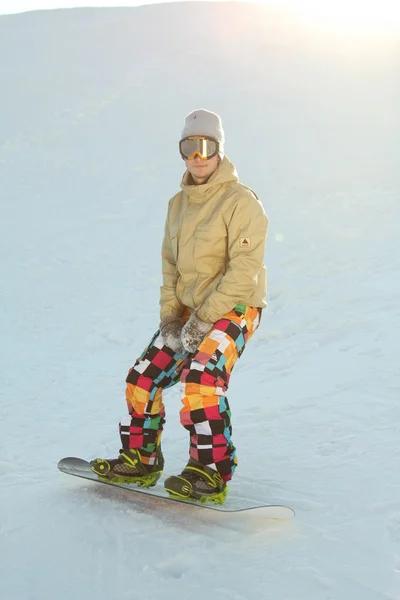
x,y
204,377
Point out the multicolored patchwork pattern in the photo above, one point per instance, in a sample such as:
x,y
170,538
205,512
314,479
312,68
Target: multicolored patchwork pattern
x,y
204,377
154,371
204,381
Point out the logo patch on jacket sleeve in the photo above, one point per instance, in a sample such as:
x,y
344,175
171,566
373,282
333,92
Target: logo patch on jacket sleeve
x,y
245,242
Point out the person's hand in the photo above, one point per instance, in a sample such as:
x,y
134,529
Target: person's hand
x,y
171,333
194,332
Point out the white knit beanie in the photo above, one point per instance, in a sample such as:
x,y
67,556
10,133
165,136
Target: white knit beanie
x,y
204,122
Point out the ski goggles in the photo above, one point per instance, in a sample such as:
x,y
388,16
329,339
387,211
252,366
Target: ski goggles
x,y
198,145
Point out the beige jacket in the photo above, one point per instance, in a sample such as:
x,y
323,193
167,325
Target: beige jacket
x,y
213,248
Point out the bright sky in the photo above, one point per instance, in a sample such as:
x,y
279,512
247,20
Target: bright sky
x,y
365,16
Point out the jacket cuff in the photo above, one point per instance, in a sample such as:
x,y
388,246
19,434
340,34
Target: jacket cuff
x,y
206,317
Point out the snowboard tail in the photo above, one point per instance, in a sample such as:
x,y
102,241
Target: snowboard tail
x,y
81,468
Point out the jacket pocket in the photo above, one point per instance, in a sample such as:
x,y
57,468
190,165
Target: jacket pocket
x,y
174,239
210,245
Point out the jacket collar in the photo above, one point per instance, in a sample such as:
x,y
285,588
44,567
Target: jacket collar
x,y
226,172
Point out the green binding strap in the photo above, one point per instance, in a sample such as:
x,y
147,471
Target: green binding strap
x,y
240,308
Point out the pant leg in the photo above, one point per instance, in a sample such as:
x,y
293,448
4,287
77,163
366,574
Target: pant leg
x,y
155,370
205,379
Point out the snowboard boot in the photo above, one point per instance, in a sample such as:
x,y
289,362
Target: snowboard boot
x,y
197,483
128,468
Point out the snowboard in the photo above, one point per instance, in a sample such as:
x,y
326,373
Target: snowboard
x,y
233,504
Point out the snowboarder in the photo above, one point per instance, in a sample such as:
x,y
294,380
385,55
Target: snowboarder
x,y
213,293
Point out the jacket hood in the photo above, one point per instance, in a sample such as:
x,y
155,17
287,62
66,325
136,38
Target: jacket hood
x,y
225,173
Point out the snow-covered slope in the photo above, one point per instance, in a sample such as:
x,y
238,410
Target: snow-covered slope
x,y
92,103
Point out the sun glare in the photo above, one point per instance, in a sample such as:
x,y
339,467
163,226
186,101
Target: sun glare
x,y
362,16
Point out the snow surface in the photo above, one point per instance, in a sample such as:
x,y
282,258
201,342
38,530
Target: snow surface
x,y
91,106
